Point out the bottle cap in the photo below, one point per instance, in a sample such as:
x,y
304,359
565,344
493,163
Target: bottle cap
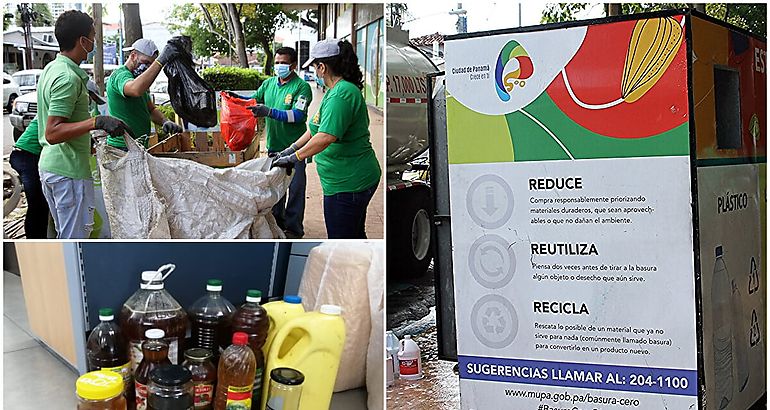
x,y
407,336
99,385
292,299
240,338
287,376
253,295
214,285
106,315
155,334
152,280
719,251
170,375
331,310
198,354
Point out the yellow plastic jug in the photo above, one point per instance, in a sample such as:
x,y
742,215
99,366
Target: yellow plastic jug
x,y
279,313
311,343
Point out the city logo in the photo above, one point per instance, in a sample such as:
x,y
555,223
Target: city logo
x,y
513,67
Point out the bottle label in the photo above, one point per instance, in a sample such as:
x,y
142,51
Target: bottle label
x,y
239,396
141,396
137,355
125,371
204,394
407,366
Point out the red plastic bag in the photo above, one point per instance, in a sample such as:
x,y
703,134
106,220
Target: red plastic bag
x,y
237,122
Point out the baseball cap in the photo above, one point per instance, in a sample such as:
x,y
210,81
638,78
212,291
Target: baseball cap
x,y
144,46
323,49
93,92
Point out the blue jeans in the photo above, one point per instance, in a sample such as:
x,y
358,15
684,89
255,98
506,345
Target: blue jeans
x,y
345,214
72,204
36,220
289,211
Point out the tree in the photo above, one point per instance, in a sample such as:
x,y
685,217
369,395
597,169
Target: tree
x,y
268,18
396,14
133,22
43,17
234,15
752,17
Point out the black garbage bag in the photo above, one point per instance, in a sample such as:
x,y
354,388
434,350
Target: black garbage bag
x,y
191,97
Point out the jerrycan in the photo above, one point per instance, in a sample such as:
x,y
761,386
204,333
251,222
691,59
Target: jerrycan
x,y
312,344
279,313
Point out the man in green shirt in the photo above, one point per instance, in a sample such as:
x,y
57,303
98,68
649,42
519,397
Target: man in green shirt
x,y
127,92
284,101
64,123
24,159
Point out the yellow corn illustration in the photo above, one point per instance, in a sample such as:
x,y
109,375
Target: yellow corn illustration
x,y
653,45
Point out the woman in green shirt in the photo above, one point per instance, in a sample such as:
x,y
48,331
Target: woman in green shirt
x,y
338,136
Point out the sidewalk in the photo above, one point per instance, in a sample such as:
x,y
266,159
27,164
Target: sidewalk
x,y
314,215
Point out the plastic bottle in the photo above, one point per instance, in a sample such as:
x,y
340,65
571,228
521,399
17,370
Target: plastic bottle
x,y
106,350
312,344
392,346
152,307
237,368
409,360
285,389
722,317
251,318
154,354
742,327
211,318
279,313
100,390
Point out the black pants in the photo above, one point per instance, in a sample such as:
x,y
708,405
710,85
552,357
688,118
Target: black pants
x,y
36,221
345,214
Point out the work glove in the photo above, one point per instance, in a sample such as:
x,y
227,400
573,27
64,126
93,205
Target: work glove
x,y
260,110
286,162
169,53
170,127
112,126
288,151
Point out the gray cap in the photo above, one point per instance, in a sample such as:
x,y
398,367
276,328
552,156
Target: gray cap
x,y
93,92
144,46
323,49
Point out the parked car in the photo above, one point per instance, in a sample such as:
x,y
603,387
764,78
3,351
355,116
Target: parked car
x,y
159,92
24,110
307,75
10,91
27,80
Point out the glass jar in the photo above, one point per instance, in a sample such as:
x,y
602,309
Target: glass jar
x,y
100,390
171,388
285,389
204,376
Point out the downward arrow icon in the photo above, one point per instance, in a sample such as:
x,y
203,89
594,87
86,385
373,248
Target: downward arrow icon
x,y
489,196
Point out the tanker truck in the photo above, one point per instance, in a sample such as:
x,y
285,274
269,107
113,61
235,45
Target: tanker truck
x,y
409,196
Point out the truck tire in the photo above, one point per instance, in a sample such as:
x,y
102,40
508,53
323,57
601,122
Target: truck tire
x,y
409,232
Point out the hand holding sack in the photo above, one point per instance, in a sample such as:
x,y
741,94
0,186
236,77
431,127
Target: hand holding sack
x,y
237,122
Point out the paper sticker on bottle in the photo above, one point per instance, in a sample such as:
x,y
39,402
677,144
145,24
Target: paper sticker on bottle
x,y
141,396
204,394
137,355
124,371
239,397
408,366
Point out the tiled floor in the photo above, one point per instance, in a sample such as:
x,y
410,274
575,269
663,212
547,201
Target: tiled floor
x,y
34,376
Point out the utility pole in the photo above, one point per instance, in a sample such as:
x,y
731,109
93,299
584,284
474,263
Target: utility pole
x,y
462,19
27,17
98,48
613,9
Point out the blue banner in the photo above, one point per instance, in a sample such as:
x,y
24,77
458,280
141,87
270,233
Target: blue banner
x,y
580,375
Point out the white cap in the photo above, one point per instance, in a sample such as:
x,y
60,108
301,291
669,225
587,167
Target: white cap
x,y
407,336
155,334
144,46
323,49
153,279
331,310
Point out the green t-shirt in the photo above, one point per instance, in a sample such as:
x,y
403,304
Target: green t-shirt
x,y
62,92
349,163
294,94
28,141
133,111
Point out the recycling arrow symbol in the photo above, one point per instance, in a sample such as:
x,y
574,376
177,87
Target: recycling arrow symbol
x,y
755,336
489,197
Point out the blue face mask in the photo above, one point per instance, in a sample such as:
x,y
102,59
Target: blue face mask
x,y
140,69
282,70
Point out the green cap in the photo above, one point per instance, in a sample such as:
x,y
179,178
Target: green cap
x,y
214,282
105,312
254,293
